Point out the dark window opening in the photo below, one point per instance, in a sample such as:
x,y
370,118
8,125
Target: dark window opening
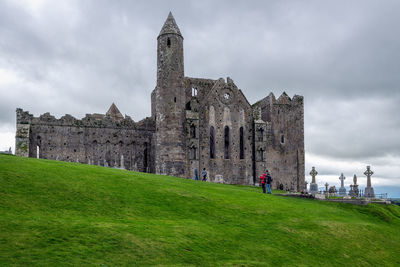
x,y
241,143
260,154
212,142
168,42
145,158
193,152
175,99
226,139
192,131
282,139
188,106
260,134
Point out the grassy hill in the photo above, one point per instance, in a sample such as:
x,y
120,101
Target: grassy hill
x,y
57,213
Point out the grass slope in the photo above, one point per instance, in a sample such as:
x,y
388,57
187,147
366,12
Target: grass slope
x,y
58,213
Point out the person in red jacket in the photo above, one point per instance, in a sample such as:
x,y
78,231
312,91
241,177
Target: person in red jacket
x,y
263,181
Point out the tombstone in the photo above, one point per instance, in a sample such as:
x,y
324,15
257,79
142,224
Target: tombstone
x,y
351,192
355,185
88,162
369,190
58,157
122,162
326,188
219,179
305,186
342,189
332,190
105,163
313,185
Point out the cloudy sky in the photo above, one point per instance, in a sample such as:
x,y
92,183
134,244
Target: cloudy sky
x,y
79,56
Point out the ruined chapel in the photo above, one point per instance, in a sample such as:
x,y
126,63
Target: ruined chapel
x,y
195,123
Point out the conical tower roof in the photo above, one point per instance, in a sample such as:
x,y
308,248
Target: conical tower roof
x,y
114,112
170,26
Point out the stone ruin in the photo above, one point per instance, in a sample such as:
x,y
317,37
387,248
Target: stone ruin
x,y
195,123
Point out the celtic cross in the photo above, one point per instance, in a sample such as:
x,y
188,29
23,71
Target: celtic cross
x,y
368,173
313,173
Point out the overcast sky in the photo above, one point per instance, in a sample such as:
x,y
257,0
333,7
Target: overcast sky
x,y
78,57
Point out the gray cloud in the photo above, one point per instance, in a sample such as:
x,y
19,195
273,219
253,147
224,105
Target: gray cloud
x,y
79,56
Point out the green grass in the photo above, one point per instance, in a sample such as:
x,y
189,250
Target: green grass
x,y
57,213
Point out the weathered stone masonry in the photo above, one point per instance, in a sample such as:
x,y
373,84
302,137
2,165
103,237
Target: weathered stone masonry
x,y
195,123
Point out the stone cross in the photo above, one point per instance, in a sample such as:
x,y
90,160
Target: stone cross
x,y
368,173
355,179
326,187
313,173
341,178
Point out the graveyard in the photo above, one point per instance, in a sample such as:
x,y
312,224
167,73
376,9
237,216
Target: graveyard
x,y
60,213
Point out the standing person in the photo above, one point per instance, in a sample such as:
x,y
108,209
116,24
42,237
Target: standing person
x,y
204,174
263,181
268,181
196,174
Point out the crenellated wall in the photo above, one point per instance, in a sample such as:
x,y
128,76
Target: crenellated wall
x,y
96,139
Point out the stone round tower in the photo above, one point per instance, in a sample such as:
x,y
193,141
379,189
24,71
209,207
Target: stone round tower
x,y
169,101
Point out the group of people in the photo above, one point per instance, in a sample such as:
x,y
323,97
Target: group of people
x,y
265,179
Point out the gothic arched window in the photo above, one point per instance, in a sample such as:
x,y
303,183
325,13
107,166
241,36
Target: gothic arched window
x,y
212,142
168,42
192,131
241,143
226,141
193,152
260,134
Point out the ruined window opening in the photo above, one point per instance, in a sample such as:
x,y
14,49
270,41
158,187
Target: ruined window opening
x,y
193,152
145,158
260,134
175,99
188,106
260,154
194,92
282,139
37,152
212,142
241,143
168,42
192,131
226,139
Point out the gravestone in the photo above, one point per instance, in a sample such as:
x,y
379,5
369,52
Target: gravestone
x,y
326,188
122,165
369,190
342,189
313,185
355,185
305,186
219,179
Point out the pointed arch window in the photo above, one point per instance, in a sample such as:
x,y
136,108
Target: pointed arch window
x,y
226,142
212,142
193,152
241,143
192,131
168,42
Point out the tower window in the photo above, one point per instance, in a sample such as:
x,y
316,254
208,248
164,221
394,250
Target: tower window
x,y
194,92
212,142
282,139
192,131
241,143
226,141
175,99
260,134
168,42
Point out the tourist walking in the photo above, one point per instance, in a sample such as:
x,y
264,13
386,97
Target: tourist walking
x,y
196,174
204,174
268,181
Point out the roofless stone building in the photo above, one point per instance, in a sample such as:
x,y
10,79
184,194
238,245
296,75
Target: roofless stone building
x,y
195,123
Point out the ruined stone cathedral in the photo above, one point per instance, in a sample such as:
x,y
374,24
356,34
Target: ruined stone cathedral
x,y
195,123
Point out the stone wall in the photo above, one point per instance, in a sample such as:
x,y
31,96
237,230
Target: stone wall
x,y
96,139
